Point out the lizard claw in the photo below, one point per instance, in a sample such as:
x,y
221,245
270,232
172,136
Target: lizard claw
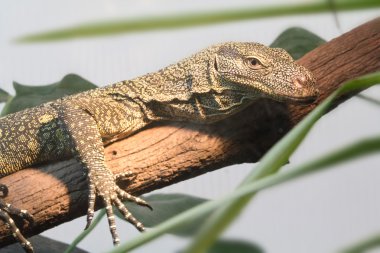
x,y
91,204
114,199
126,196
6,210
112,195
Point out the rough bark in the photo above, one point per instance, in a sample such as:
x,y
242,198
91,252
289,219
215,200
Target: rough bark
x,y
167,153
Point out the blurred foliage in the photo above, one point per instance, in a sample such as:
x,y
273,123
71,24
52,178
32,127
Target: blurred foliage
x,y
41,244
29,96
196,19
367,245
166,206
234,246
297,41
4,96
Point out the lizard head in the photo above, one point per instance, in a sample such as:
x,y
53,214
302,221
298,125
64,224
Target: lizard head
x,y
255,70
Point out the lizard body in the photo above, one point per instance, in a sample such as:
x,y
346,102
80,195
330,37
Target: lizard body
x,y
204,88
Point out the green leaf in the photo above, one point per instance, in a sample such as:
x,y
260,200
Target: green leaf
x,y
166,206
361,148
248,188
369,99
29,96
194,19
297,41
234,246
270,164
4,96
366,245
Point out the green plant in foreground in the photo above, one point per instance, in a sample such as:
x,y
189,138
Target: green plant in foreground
x,y
258,181
261,177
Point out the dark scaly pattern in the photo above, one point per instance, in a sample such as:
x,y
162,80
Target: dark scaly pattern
x,y
204,88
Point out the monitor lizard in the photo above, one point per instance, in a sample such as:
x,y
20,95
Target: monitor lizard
x,y
204,88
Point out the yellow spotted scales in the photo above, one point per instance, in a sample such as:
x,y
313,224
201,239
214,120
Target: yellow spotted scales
x,y
204,88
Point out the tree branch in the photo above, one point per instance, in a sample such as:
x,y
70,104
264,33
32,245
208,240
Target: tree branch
x,y
167,153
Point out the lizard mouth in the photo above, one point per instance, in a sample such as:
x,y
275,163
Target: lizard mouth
x,y
301,100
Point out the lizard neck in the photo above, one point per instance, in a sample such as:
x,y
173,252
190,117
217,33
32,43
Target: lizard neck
x,y
190,90
160,94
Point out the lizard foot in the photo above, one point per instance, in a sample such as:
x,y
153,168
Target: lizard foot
x,y
112,195
6,210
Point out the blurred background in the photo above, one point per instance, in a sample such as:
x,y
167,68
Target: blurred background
x,y
320,213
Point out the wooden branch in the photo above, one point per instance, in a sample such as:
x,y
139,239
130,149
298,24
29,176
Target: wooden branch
x,y
167,153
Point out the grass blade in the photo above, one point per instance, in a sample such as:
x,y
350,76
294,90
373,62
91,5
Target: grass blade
x,y
192,19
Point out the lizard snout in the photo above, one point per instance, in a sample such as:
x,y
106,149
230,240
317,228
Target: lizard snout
x,y
306,85
299,81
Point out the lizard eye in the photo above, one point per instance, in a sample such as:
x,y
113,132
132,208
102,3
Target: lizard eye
x,y
254,63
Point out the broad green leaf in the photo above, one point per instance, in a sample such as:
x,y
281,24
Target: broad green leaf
x,y
4,96
234,246
297,41
249,188
195,19
166,206
29,96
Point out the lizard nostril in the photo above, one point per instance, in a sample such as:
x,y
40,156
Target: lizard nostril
x,y
299,81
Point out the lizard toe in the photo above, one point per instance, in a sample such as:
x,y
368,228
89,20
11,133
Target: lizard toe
x,y
128,215
4,216
126,196
111,220
91,204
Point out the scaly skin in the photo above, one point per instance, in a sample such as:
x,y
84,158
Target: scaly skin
x,y
204,88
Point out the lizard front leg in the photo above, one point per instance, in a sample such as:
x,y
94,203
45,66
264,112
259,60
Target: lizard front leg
x,y
81,128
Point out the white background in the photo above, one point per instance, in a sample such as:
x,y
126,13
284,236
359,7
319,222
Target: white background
x,y
320,213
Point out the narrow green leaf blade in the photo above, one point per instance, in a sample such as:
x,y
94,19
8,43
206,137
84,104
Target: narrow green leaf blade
x,y
193,19
369,99
365,245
